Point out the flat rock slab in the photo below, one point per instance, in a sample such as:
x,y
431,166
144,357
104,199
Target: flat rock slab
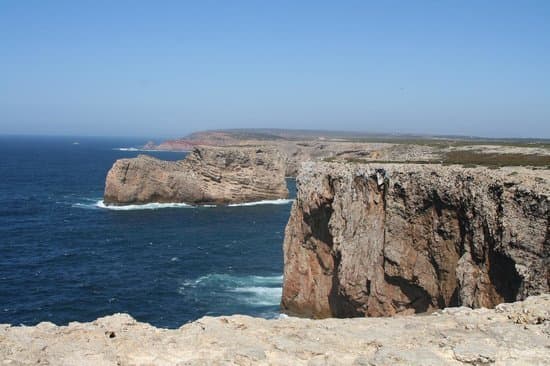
x,y
511,334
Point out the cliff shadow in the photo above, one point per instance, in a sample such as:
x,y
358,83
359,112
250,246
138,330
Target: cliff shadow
x,y
504,276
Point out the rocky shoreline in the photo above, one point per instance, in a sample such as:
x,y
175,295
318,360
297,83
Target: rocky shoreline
x,y
510,334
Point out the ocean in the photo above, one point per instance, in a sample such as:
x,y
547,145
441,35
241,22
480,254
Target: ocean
x,y
65,257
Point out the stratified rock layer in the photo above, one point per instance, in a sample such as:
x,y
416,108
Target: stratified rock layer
x,y
383,239
209,175
511,334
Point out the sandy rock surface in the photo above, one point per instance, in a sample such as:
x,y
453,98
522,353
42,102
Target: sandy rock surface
x,y
511,334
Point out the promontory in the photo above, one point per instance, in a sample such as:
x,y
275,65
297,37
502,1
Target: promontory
x,y
208,175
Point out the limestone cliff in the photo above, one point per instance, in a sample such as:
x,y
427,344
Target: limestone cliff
x,y
382,239
511,334
208,175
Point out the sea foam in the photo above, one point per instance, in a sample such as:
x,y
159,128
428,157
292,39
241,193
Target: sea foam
x,y
159,205
138,149
126,149
280,201
146,206
260,296
250,290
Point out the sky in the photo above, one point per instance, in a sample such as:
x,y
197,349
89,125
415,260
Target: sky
x,y
168,68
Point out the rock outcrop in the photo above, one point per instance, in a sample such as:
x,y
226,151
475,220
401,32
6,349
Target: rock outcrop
x,y
208,175
385,239
511,334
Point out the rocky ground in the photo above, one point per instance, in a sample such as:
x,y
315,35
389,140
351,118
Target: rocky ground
x,y
511,334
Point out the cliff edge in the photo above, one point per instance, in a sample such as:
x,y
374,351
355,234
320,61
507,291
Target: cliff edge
x,y
385,239
208,175
511,334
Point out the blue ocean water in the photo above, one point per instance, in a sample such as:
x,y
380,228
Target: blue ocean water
x,y
63,258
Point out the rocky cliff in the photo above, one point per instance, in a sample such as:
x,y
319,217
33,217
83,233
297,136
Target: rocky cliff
x,y
301,146
385,239
511,334
208,175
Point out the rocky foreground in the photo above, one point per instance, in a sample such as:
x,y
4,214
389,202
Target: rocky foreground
x,y
510,334
385,239
208,175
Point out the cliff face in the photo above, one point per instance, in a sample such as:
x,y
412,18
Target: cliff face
x,y
511,334
376,240
209,175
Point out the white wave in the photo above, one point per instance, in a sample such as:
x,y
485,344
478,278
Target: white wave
x,y
144,150
158,205
231,280
280,201
146,206
260,296
249,290
79,205
126,149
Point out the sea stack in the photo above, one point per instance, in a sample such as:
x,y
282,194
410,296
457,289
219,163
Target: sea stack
x,y
208,175
385,239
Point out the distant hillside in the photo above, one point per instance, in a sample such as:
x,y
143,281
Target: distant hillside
x,y
271,134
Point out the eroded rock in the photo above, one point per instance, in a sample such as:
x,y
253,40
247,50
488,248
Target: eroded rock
x,y
463,337
378,240
208,175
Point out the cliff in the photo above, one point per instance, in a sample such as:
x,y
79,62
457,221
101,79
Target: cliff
x,y
385,239
208,175
511,334
301,146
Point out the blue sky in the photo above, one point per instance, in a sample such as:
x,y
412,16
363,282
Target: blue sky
x,y
167,68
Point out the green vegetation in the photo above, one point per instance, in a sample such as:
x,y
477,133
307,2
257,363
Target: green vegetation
x,y
333,159
468,159
444,142
496,160
272,134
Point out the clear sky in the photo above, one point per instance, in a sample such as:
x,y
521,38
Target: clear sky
x,y
166,68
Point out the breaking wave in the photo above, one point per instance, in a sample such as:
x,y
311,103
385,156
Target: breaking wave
x,y
157,205
138,149
248,290
146,206
126,149
280,201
